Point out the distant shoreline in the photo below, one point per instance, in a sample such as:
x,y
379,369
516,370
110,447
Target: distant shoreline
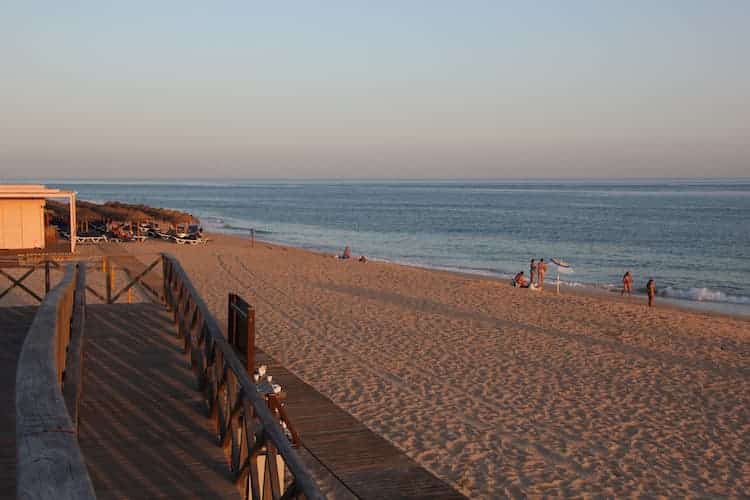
x,y
488,251
728,310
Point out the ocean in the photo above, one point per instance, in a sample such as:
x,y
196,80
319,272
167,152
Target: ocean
x,y
691,236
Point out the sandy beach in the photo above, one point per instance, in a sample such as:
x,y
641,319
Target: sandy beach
x,y
501,391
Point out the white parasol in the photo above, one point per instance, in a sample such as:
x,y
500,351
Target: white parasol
x,y
560,264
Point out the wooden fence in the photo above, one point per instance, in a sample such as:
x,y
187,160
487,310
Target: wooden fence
x,y
49,461
258,451
18,281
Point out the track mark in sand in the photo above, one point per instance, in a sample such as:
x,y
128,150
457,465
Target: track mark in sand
x,y
375,370
609,343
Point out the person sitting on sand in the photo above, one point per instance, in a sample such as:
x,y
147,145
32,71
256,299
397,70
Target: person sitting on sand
x,y
627,283
651,290
532,271
347,253
541,270
362,258
520,280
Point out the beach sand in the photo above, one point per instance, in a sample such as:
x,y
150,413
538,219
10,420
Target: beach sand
x,y
501,391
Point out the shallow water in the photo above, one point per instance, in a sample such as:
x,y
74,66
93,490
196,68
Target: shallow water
x,y
692,236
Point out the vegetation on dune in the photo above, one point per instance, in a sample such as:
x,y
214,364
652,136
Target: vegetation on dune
x,y
116,211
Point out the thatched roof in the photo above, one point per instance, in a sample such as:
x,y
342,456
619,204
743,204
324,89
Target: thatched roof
x,y
120,212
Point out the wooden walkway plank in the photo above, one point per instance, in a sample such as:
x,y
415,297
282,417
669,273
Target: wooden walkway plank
x,y
143,430
368,465
14,325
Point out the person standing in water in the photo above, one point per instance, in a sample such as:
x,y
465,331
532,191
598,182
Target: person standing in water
x,y
532,271
627,283
541,270
651,289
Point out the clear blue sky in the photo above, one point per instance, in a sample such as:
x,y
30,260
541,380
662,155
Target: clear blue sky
x,y
375,89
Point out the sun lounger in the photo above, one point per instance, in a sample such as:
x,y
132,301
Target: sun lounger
x,y
91,239
188,241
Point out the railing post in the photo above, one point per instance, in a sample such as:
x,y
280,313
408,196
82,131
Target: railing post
x,y
109,273
231,320
165,282
46,277
250,355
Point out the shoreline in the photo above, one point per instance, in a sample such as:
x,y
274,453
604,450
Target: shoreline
x,y
721,309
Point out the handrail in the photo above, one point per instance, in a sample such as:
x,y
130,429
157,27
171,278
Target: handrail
x,y
246,428
73,383
49,460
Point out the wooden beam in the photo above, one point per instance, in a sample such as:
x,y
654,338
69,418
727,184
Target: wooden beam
x,y
49,461
134,280
18,283
96,294
73,222
73,386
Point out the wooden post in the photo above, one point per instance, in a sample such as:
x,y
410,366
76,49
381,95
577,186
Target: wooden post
x,y
231,321
110,278
46,277
73,231
165,282
250,363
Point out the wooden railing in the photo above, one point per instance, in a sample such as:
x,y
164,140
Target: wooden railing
x,y
241,336
136,273
18,281
49,461
257,449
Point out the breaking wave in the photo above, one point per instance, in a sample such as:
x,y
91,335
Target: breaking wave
x,y
703,295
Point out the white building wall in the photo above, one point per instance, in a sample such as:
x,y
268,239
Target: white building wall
x,y
21,224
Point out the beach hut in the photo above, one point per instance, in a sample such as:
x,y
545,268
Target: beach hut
x,y
22,221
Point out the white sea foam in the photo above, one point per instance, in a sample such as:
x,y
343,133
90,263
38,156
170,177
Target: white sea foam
x,y
703,295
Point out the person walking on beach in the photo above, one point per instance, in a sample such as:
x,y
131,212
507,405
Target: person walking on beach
x,y
532,271
627,283
651,289
541,269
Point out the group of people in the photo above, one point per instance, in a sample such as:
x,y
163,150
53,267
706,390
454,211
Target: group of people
x,y
537,270
627,287
347,254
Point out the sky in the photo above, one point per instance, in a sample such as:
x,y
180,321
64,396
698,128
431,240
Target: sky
x,y
387,89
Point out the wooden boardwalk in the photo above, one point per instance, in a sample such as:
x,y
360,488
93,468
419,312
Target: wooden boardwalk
x,y
143,431
366,464
14,324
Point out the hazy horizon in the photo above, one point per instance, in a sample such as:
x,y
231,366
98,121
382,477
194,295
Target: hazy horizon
x,y
436,90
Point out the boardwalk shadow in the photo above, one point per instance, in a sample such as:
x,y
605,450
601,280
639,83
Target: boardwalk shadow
x,y
14,325
612,344
144,431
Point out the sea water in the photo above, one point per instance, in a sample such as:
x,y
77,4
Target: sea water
x,y
691,236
